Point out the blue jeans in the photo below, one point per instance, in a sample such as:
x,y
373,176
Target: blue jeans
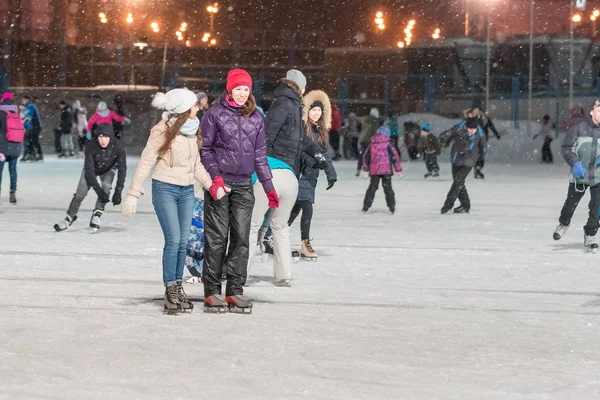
x,y
12,170
174,206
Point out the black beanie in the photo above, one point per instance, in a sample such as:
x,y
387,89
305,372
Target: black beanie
x,y
317,103
473,123
105,130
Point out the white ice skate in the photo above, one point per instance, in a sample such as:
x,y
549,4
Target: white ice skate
x,y
64,224
590,242
95,221
560,231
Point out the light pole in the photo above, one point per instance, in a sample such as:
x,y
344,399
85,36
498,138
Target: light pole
x,y
529,105
212,10
129,21
379,21
466,18
487,58
573,19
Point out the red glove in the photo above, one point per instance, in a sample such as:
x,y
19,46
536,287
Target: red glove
x,y
218,189
273,199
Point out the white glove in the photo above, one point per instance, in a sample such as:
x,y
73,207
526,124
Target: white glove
x,y
221,193
365,174
129,206
400,174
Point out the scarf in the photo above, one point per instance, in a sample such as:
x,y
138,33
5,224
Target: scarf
x,y
189,128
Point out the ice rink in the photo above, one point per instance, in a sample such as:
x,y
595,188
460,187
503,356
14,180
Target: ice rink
x,y
416,305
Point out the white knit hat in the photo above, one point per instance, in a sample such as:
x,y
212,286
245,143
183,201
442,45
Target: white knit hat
x,y
176,101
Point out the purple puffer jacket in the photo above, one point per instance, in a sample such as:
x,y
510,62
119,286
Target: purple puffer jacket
x,y
381,158
234,146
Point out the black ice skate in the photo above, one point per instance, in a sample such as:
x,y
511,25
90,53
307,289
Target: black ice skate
x,y
215,304
590,242
13,198
267,245
436,173
295,256
186,304
95,221
445,209
560,231
461,210
171,303
239,304
65,224
393,209
478,174
428,174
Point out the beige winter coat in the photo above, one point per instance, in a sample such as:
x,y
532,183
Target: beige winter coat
x,y
180,165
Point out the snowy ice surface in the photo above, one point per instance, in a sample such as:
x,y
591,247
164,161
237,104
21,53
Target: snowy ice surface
x,y
411,306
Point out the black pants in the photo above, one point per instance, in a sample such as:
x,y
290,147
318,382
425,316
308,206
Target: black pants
x,y
458,188
386,182
431,162
394,140
547,151
32,143
227,218
413,152
334,141
57,145
307,212
573,198
363,148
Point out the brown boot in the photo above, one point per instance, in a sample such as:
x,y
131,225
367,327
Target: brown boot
x,y
307,250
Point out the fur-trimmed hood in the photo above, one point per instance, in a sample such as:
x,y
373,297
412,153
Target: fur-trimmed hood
x,y
310,98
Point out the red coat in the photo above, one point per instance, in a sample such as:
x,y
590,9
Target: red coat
x,y
336,118
381,158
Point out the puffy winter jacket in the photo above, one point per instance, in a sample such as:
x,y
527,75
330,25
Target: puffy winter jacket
x,y
369,129
110,118
9,149
32,117
99,160
233,146
180,165
582,144
381,158
286,138
466,149
310,174
66,120
428,144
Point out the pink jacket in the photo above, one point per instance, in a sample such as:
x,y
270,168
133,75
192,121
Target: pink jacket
x,y
381,158
98,119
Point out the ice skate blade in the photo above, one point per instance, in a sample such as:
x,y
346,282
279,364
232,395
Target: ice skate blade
x,y
57,228
283,283
309,258
238,310
94,230
170,311
556,236
215,310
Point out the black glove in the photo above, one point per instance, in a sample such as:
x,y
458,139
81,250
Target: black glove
x,y
116,200
103,196
321,161
331,182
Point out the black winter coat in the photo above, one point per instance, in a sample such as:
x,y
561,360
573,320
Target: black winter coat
x,y
286,138
66,120
466,149
100,160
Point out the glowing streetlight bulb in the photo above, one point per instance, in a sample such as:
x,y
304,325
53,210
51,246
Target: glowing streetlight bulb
x,y
206,35
437,30
102,15
401,45
129,18
381,26
188,43
205,39
412,22
155,27
592,17
213,41
596,13
379,14
576,18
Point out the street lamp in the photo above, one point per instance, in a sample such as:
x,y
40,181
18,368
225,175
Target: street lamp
x,y
436,34
155,27
379,21
401,44
212,10
576,18
129,18
103,18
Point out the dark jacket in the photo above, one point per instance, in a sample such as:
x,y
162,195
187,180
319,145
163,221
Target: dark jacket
x,y
284,127
66,120
233,146
32,117
100,160
310,174
466,149
9,149
486,124
582,144
429,145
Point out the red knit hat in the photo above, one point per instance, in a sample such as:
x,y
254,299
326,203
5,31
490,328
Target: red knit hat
x,y
238,77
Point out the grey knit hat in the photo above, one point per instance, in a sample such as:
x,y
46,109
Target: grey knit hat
x,y
297,77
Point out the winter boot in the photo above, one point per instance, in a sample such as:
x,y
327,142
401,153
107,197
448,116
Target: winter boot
x,y
393,209
478,174
39,158
307,250
95,221
560,231
428,174
589,241
13,198
65,224
357,172
436,173
171,302
283,283
239,304
461,210
215,304
186,304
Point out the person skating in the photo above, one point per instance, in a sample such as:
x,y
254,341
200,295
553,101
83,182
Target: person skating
x,y
378,160
486,124
119,109
317,119
104,157
203,104
12,133
233,148
546,134
334,132
468,146
65,128
429,147
80,124
173,148
33,130
104,115
581,150
369,129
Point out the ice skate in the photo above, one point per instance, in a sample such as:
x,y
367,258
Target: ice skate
x,y
194,280
171,303
560,231
65,224
393,209
590,242
428,174
186,304
365,209
295,256
445,209
95,221
266,245
283,283
215,304
13,198
461,210
239,304
478,174
436,173
307,252
38,158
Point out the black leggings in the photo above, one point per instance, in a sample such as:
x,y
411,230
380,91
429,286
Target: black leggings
x,y
307,212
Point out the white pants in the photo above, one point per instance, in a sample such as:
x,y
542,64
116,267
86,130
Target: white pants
x,y
286,186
